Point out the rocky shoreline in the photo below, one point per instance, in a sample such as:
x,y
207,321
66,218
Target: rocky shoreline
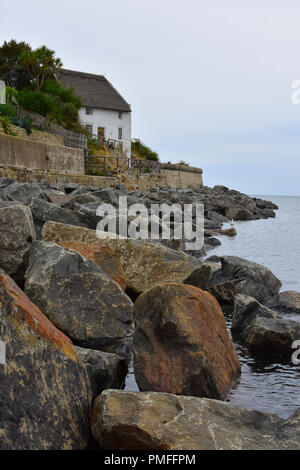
x,y
74,309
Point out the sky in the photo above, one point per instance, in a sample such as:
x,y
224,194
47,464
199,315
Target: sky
x,y
209,81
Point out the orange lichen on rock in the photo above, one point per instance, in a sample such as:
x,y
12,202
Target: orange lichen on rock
x,y
29,315
103,256
181,343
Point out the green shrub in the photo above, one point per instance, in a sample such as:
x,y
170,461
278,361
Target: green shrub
x,y
143,151
11,95
66,95
37,102
7,110
25,123
6,125
69,115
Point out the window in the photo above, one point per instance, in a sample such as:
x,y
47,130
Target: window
x,y
120,114
89,128
89,111
120,133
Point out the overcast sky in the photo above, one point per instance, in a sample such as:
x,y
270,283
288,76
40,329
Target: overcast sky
x,y
209,81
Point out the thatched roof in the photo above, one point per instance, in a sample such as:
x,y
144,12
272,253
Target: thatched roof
x,y
95,91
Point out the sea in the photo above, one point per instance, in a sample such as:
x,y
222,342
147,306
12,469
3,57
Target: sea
x,y
266,384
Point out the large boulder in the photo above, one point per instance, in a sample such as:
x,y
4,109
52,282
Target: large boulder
x,y
240,276
16,234
105,370
124,420
181,344
79,298
45,394
262,329
145,264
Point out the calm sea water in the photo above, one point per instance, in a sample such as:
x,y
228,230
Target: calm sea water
x,y
269,385
265,384
275,243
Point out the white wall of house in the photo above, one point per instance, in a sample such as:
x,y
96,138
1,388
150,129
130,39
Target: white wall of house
x,y
111,122
2,92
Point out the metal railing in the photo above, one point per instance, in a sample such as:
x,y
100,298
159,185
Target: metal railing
x,y
71,139
112,144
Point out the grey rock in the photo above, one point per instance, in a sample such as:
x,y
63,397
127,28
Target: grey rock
x,y
16,235
22,192
262,329
285,302
105,370
43,211
79,298
240,276
45,394
123,420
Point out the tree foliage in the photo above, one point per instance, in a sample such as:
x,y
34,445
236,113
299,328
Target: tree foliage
x,y
141,150
40,64
11,71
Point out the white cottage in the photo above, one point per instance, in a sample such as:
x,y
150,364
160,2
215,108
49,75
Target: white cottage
x,y
105,113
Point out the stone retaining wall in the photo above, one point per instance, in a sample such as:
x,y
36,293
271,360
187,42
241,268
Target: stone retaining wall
x,y
132,180
181,176
23,153
58,178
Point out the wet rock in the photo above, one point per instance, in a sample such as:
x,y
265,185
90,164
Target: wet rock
x,y
229,232
271,335
240,276
145,264
105,370
79,298
181,344
45,394
262,329
285,302
239,214
212,242
158,421
16,234
246,309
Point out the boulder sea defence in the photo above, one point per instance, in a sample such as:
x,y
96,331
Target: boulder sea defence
x,y
181,344
68,337
45,394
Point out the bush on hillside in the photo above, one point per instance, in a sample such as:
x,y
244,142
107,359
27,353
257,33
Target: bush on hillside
x,y
37,102
142,151
65,95
7,110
